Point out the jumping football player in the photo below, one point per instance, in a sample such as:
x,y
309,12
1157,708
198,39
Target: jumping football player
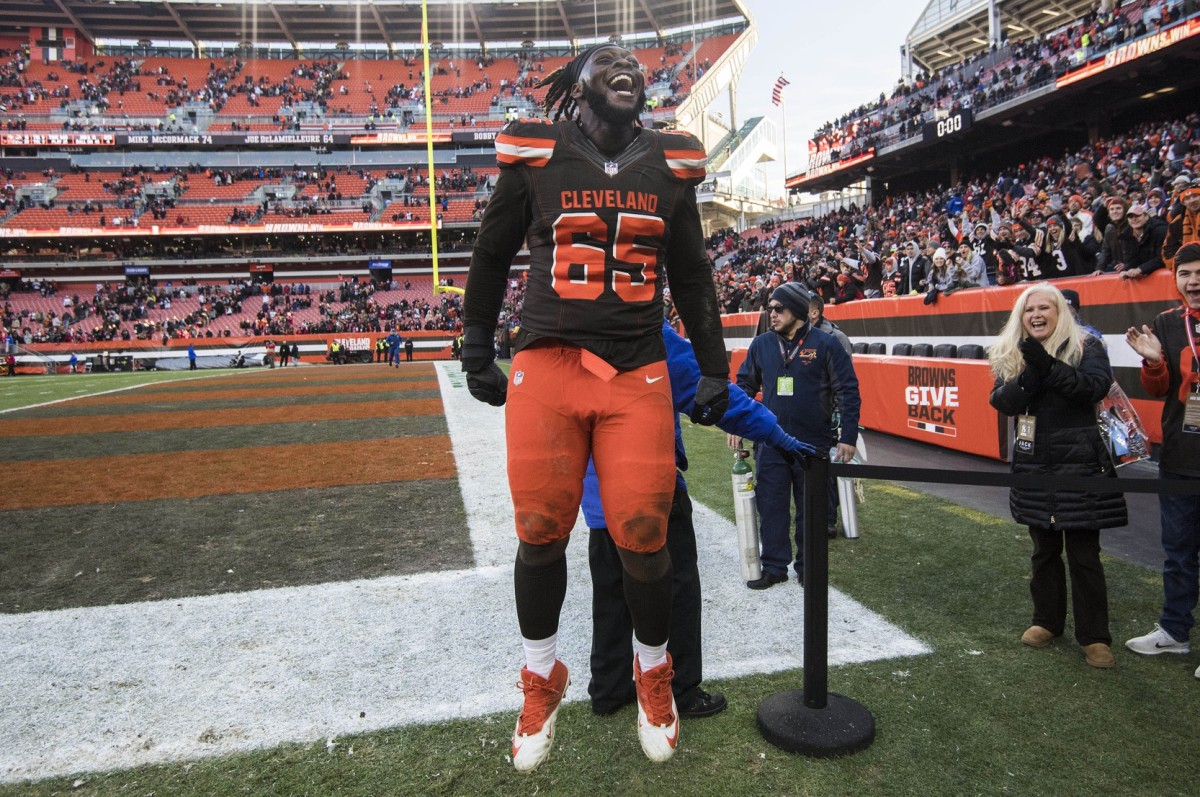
x,y
608,210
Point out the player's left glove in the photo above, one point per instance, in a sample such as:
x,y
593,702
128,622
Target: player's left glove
x,y
712,399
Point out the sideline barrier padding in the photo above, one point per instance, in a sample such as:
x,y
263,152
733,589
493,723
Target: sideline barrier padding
x,y
975,316
939,401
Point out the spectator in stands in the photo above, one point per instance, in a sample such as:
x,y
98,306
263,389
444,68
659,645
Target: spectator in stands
x,y
1110,258
913,267
1169,371
892,277
846,291
1075,210
942,276
1049,375
1183,220
1142,243
972,271
1061,253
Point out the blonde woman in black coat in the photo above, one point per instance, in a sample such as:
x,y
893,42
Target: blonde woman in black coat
x,y
1050,374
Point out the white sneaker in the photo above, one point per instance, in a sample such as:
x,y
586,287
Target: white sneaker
x,y
1157,641
1198,672
534,734
658,718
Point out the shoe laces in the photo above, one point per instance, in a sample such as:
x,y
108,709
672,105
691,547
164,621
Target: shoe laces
x,y
654,692
541,698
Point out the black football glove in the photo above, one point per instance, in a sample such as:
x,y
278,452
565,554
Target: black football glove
x,y
1036,357
485,381
712,399
489,385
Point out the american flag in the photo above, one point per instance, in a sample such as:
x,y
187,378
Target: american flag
x,y
777,92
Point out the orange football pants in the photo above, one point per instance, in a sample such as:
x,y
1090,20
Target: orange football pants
x,y
561,409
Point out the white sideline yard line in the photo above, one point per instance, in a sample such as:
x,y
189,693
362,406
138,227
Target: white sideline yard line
x,y
103,392
120,686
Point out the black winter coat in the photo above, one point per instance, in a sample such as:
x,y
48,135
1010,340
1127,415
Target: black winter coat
x,y
1066,441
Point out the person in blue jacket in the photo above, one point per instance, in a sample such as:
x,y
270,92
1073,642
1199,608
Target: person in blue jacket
x,y
393,343
799,370
611,685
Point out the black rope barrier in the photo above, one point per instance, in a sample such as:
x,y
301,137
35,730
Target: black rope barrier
x,y
822,724
1036,481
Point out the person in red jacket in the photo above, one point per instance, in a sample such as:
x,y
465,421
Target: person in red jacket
x,y
1170,354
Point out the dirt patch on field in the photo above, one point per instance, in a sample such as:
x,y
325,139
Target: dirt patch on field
x,y
203,419
216,438
147,477
322,378
169,396
331,372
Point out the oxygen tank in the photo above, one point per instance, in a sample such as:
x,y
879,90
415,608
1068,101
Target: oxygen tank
x,y
747,516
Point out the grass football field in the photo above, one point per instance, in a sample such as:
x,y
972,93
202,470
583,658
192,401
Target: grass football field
x,y
298,582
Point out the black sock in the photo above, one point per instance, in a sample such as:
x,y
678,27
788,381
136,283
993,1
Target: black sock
x,y
650,607
540,591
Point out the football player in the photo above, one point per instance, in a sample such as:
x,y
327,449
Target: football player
x,y
597,198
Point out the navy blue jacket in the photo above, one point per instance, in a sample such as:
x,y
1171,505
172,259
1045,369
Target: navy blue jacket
x,y
820,369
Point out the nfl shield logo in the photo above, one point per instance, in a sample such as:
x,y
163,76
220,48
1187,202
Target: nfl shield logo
x,y
518,377
610,168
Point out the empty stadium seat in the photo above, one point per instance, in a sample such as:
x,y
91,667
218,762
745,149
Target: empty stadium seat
x,y
922,350
860,348
901,349
972,351
877,348
945,350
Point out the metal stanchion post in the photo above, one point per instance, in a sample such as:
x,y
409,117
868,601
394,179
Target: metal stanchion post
x,y
812,720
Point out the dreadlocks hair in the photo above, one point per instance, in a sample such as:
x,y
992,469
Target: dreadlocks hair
x,y
560,82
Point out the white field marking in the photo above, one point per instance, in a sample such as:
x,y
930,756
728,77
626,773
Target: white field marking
x,y
120,686
85,394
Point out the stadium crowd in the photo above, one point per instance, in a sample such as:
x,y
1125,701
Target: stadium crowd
x,y
143,312
1109,207
994,76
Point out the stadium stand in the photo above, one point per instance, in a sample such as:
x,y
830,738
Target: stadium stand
x,y
268,212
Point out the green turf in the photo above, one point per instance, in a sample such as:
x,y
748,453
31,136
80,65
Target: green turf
x,y
25,391
981,714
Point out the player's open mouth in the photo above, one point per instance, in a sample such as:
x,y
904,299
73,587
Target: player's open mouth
x,y
622,85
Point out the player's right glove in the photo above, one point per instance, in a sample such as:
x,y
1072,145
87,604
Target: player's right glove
x,y
712,399
485,381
